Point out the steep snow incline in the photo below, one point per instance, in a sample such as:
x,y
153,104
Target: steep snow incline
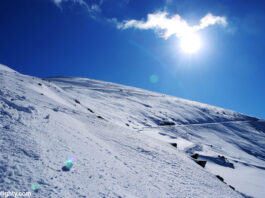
x,y
119,139
230,142
137,105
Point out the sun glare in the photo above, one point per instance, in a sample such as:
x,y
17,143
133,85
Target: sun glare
x,y
190,43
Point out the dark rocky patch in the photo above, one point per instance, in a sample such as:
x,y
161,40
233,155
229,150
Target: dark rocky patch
x,y
232,187
220,178
166,123
77,101
100,117
174,144
90,110
202,163
195,156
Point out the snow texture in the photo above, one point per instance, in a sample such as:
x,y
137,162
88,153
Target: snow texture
x,y
120,139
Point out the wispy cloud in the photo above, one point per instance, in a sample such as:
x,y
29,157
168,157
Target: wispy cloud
x,y
92,9
59,2
169,26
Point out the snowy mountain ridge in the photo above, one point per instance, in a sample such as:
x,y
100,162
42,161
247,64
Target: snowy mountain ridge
x,y
123,140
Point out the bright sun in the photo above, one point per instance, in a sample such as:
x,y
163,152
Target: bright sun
x,y
190,43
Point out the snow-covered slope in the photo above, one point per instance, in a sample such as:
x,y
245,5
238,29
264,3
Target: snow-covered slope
x,y
119,141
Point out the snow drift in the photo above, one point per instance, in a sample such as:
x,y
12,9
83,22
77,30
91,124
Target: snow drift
x,y
125,142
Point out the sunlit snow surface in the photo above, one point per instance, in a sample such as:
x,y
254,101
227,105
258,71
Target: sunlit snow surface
x,y
118,141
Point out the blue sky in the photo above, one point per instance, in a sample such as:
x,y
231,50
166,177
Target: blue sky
x,y
116,41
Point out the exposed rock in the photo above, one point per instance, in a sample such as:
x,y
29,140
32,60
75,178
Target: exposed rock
x,y
166,123
220,178
77,101
195,156
90,110
174,144
202,163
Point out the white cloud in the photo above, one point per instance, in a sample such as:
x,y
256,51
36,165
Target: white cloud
x,y
168,26
209,19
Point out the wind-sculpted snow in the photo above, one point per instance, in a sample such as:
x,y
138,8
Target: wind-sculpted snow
x,y
119,138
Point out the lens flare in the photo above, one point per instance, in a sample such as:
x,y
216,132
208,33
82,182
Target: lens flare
x,y
73,158
33,187
69,164
153,78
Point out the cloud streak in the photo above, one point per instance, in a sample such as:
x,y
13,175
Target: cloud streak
x,y
59,2
92,9
168,26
